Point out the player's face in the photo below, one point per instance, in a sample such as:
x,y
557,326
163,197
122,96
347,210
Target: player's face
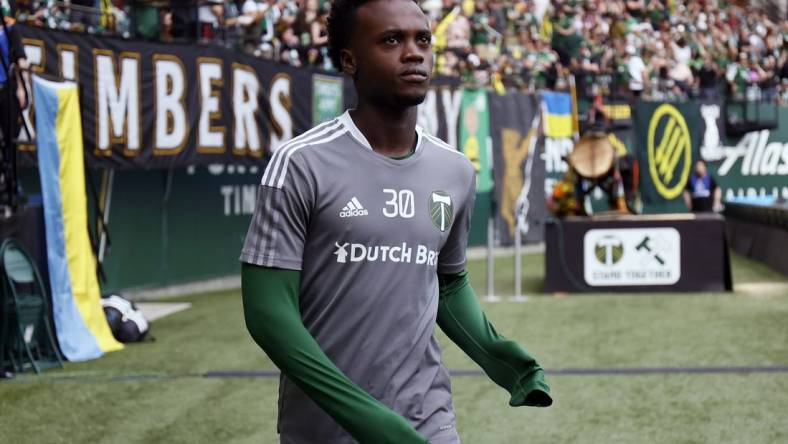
x,y
390,53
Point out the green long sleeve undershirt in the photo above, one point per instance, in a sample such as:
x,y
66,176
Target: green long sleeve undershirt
x,y
273,318
508,364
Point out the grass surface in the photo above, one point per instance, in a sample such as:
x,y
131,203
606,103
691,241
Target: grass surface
x,y
154,392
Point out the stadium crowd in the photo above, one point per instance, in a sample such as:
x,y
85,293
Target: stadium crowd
x,y
663,49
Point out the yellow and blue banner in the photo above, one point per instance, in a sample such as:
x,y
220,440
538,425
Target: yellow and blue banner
x,y
557,114
82,329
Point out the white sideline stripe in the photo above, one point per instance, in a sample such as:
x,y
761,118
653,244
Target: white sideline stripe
x,y
762,289
358,204
339,132
270,172
157,310
442,144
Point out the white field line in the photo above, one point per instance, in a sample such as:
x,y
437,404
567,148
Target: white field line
x,y
158,310
759,289
476,253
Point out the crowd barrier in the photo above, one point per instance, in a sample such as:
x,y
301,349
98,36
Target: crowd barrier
x,y
759,231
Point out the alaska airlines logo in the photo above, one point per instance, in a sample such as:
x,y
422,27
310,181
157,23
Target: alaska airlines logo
x,y
669,151
403,253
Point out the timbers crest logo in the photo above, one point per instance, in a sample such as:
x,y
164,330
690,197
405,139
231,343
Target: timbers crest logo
x,y
669,151
609,250
441,209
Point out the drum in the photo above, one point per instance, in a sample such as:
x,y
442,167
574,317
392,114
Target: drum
x,y
593,156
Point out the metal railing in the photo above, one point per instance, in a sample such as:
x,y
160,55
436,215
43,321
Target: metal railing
x,y
78,18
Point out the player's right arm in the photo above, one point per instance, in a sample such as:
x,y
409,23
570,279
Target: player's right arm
x,y
270,274
270,299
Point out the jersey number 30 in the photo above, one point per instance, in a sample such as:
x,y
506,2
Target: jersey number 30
x,y
400,204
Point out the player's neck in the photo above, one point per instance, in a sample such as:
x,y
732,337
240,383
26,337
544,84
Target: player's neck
x,y
390,133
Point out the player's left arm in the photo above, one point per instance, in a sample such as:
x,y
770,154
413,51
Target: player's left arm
x,y
462,319
507,363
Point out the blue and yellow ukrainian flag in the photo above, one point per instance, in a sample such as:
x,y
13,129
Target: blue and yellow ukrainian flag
x,y
557,114
82,329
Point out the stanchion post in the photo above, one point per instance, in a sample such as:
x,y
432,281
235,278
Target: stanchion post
x,y
518,290
491,260
518,264
110,180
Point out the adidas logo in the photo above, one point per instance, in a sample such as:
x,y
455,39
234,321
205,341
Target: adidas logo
x,y
353,208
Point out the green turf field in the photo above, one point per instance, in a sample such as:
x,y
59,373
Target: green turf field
x,y
157,392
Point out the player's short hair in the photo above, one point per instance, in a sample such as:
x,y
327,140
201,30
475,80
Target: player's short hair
x,y
340,26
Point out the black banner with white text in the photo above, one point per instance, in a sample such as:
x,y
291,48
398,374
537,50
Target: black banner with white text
x,y
152,105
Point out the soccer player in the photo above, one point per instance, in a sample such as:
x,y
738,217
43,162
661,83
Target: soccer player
x,y
357,248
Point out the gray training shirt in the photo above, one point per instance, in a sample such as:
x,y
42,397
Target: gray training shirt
x,y
369,234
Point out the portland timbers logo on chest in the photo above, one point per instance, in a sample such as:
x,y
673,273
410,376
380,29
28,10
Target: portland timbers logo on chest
x,y
441,209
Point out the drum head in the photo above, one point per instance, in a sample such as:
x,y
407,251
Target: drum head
x,y
593,156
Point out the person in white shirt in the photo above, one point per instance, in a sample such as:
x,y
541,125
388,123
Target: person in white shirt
x,y
638,73
254,12
211,17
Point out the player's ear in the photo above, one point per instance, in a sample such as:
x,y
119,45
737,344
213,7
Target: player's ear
x,y
348,61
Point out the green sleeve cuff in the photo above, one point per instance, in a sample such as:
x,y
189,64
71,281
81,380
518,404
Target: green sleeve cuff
x,y
532,391
507,363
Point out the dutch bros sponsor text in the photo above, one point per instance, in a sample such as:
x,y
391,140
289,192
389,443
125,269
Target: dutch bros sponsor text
x,y
353,252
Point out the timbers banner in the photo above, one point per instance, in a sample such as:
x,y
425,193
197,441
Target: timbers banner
x,y
326,98
475,142
475,136
668,140
153,105
518,170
